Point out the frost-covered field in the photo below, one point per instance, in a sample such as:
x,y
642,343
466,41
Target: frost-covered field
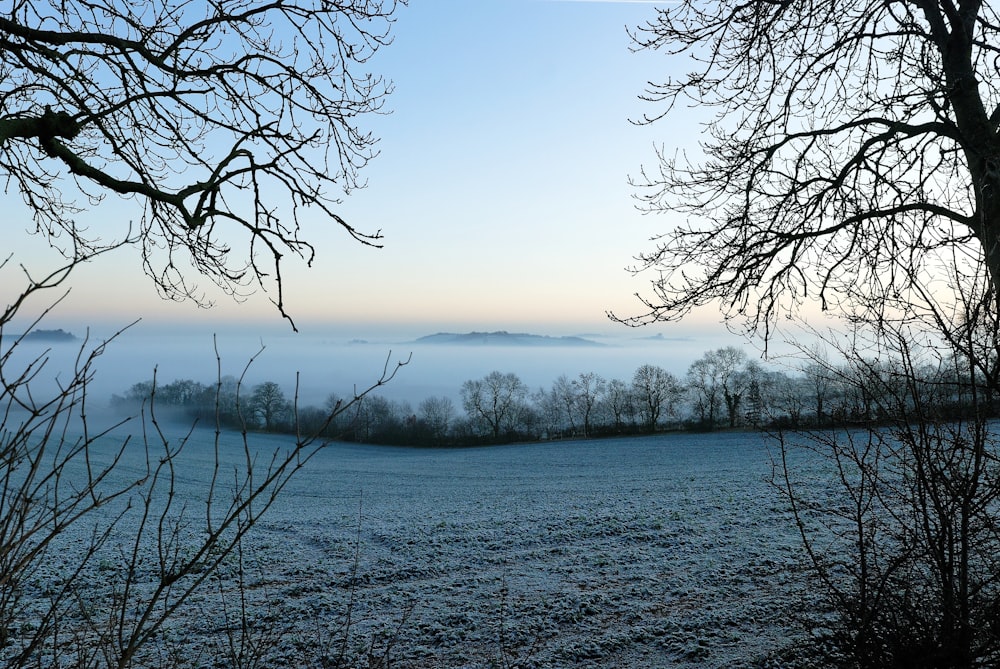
x,y
667,551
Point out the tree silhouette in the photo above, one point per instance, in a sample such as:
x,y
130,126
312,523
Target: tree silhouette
x,y
656,390
852,148
853,160
268,404
225,121
496,399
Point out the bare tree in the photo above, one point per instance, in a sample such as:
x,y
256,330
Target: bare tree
x,y
621,403
851,149
656,391
497,400
703,387
267,403
219,119
565,396
758,385
731,363
549,413
182,392
821,384
851,162
789,400
373,415
590,388
437,413
224,122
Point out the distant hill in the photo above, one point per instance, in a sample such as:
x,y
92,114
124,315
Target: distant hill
x,y
659,337
47,336
503,338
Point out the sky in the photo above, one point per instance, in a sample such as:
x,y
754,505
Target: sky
x,y
501,188
502,193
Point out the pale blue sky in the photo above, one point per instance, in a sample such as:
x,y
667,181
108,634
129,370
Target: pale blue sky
x,y
501,188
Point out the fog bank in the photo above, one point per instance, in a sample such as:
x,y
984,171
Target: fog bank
x,y
335,364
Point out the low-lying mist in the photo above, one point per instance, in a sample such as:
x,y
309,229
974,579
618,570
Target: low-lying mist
x,y
331,364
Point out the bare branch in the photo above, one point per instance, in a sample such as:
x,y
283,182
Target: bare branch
x,y
850,148
223,121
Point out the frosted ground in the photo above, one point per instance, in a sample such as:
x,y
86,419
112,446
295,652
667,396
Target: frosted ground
x,y
668,551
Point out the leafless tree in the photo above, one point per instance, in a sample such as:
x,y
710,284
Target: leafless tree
x,y
821,384
851,149
549,412
621,403
268,404
901,529
655,391
223,121
377,417
789,399
851,161
758,393
497,400
703,390
437,413
733,380
591,389
564,396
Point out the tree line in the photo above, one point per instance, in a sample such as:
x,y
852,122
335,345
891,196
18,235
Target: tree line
x,y
723,389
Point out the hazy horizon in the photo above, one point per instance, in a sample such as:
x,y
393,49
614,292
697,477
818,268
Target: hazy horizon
x,y
350,358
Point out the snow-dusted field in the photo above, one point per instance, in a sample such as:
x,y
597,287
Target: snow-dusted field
x,y
667,551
